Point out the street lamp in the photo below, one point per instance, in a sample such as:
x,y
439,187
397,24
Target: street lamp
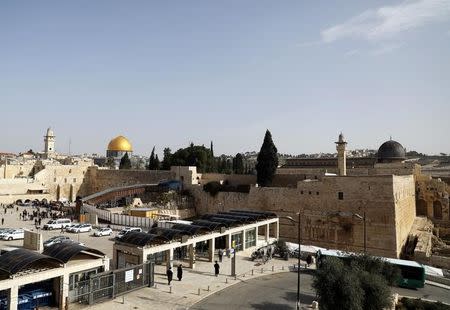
x,y
299,254
358,216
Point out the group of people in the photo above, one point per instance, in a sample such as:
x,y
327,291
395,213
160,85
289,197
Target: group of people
x,y
169,272
222,252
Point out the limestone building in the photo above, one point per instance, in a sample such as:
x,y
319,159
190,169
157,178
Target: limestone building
x,y
49,143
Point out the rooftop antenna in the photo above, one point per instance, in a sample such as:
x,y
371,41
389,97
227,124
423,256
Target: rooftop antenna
x,y
390,137
70,142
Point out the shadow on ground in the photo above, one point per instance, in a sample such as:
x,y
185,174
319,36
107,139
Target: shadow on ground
x,y
271,306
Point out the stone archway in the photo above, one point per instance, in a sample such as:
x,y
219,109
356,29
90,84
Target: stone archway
x,y
421,208
437,210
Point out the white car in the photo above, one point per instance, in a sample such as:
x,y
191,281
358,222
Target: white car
x,y
103,232
57,224
80,228
12,234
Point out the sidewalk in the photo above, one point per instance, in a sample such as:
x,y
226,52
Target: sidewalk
x,y
195,285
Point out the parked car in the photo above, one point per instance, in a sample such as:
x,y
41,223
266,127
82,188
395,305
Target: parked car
x,y
57,224
106,231
54,240
80,228
12,234
126,230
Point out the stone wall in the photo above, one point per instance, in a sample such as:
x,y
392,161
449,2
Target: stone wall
x,y
433,198
319,201
101,179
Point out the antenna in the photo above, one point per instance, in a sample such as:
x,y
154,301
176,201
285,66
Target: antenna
x,y
70,142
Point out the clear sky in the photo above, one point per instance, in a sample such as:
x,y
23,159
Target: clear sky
x,y
166,73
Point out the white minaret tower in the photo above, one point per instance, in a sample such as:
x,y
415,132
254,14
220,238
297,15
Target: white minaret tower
x,y
49,140
342,156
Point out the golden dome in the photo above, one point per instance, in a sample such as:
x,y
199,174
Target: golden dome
x,y
120,144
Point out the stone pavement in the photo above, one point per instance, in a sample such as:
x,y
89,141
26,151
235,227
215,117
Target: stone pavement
x,y
195,285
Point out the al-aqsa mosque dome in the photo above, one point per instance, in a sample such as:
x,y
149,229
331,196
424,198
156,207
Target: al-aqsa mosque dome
x,y
391,152
117,148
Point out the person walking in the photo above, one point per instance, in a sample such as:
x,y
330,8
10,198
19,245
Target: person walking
x,y
228,251
216,269
169,275
180,272
3,221
220,255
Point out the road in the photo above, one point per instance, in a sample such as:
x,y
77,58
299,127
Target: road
x,y
279,292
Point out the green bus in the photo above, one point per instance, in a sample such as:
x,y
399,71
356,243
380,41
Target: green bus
x,y
412,273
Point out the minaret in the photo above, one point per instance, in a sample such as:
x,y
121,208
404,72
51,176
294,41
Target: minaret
x,y
342,157
49,140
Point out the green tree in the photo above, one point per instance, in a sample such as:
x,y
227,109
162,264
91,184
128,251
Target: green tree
x,y
238,164
152,165
193,155
359,283
267,161
125,162
167,159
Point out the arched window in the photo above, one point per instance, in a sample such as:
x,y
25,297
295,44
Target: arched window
x,y
437,210
421,208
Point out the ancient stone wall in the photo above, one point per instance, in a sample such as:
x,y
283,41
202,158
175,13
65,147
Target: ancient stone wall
x,y
101,179
433,198
319,202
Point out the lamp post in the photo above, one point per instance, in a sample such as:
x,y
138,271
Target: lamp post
x,y
299,254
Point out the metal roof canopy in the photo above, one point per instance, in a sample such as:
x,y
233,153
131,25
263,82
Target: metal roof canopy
x,y
226,222
15,261
210,224
214,217
191,229
244,218
142,238
268,213
256,216
168,233
65,251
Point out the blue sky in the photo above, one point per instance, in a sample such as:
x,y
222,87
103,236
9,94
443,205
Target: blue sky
x,y
166,73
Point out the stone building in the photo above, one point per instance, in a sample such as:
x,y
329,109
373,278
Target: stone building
x,y
332,195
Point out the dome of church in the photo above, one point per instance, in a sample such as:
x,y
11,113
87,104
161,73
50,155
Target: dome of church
x,y
391,151
120,144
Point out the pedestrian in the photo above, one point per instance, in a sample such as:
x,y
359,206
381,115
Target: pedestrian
x,y
3,221
216,269
309,260
20,216
62,229
228,252
180,272
220,255
169,275
39,221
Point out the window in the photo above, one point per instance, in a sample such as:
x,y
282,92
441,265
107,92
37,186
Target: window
x,y
310,193
317,193
54,180
301,192
341,196
74,180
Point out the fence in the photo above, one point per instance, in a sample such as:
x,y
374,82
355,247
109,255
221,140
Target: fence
x,y
119,219
111,284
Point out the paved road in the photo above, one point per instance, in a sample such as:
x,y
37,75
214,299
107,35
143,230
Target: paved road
x,y
279,291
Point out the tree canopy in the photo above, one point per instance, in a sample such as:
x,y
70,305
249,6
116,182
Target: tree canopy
x,y
125,162
267,161
360,283
153,162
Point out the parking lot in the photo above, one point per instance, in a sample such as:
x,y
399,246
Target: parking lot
x,y
12,220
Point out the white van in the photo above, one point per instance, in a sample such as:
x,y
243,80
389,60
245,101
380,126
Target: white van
x,y
57,224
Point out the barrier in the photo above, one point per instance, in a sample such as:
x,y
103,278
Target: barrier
x,y
119,219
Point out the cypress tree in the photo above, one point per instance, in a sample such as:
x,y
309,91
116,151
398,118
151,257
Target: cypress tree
x,y
167,159
267,161
125,162
151,161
